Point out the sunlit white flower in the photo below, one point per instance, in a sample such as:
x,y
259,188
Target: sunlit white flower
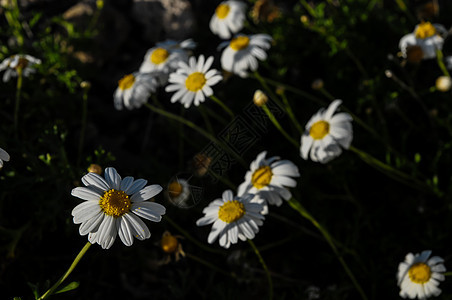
x,y
423,42
229,18
165,57
419,276
134,90
4,156
19,62
113,206
443,83
326,134
233,218
193,81
269,179
243,51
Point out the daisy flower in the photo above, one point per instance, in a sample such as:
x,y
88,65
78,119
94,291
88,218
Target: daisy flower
x,y
326,134
423,42
233,218
242,52
268,180
134,90
165,57
4,156
178,192
229,18
113,206
19,62
419,276
193,81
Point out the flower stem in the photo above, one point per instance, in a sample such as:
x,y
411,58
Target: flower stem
x,y
18,94
225,108
278,126
291,114
264,265
303,212
208,264
442,66
65,275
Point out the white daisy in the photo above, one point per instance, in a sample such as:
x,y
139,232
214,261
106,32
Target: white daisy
x,y
423,42
242,52
22,62
232,218
134,90
326,133
193,81
112,207
419,276
165,57
178,192
4,156
229,18
268,179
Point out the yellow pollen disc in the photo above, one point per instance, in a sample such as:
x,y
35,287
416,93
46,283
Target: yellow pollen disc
x,y
169,243
425,30
419,273
126,82
262,177
319,130
240,42
195,81
159,56
175,189
222,11
115,203
231,211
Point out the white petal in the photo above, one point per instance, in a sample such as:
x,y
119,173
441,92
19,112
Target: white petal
x,y
149,210
146,193
95,180
136,186
86,193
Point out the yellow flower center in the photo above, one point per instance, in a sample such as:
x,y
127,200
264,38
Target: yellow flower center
x,y
262,177
240,42
425,30
126,82
319,130
195,81
231,211
175,189
159,56
115,203
169,243
222,11
419,273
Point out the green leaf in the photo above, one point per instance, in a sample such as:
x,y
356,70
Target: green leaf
x,y
71,286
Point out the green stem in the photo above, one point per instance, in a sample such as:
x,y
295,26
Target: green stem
x,y
71,268
208,264
267,88
18,94
442,66
206,119
279,127
392,172
192,239
264,265
223,106
304,213
447,274
198,129
291,114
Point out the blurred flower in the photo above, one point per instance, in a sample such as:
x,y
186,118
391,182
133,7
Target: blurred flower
x,y
193,81
326,133
201,163
268,180
443,83
423,42
229,18
165,57
18,63
170,245
4,156
259,98
418,276
134,90
232,218
242,52
95,168
265,10
112,206
178,191
317,84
